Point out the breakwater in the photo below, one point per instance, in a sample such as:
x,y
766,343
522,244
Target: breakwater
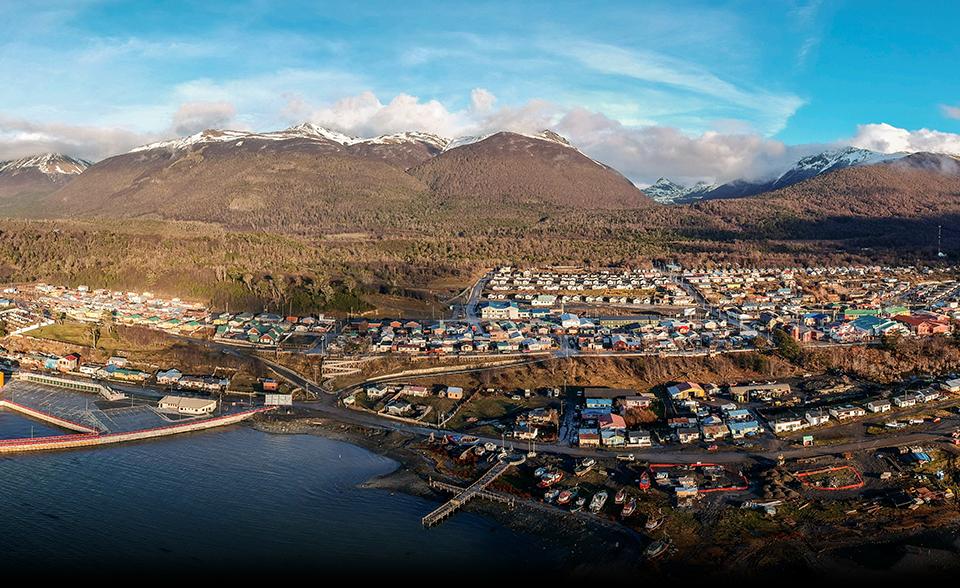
x,y
92,437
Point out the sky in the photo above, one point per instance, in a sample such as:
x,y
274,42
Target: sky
x,y
688,90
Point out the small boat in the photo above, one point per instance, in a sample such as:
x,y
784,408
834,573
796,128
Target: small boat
x,y
585,466
465,439
551,495
599,499
568,495
490,446
578,504
549,479
628,508
653,523
645,480
620,496
657,548
539,472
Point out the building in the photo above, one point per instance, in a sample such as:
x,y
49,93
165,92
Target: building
x,y
185,405
847,412
787,424
499,311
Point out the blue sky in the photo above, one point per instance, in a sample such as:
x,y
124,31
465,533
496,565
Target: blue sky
x,y
688,90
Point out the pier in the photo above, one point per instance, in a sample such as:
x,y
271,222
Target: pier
x,y
476,490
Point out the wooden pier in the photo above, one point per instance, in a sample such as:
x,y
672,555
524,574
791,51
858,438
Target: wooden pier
x,y
477,489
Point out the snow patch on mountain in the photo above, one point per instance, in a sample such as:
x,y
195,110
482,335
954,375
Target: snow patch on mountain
x,y
544,135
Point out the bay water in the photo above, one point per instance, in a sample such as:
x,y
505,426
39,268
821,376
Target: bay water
x,y
238,503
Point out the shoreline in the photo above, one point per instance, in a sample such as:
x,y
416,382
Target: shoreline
x,y
600,548
595,547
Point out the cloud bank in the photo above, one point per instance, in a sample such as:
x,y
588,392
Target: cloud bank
x,y
642,153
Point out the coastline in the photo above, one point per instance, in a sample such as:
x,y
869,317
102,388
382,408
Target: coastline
x,y
595,547
599,548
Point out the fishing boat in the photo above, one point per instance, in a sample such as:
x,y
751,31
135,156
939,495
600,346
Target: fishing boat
x,y
464,439
657,548
585,466
578,504
568,495
549,479
620,496
551,495
628,508
653,523
539,472
645,480
599,499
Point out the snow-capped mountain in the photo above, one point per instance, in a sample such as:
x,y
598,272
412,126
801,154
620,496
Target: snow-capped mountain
x,y
665,191
307,131
25,180
48,163
828,161
544,135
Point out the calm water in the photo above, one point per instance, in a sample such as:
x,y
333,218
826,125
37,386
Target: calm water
x,y
14,426
238,502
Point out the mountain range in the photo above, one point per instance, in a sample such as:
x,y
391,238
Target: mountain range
x,y
665,191
307,179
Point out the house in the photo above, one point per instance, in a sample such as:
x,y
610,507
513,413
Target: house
x,y
398,407
612,437
951,386
688,434
787,424
588,438
639,401
526,433
686,390
847,412
68,363
170,376
378,391
454,393
738,430
499,310
878,405
611,421
714,432
904,401
639,439
416,391
816,418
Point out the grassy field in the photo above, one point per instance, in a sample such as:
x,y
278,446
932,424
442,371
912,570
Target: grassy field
x,y
76,334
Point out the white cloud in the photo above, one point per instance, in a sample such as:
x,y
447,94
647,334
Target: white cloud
x,y
193,117
686,77
22,138
643,154
886,138
950,111
365,116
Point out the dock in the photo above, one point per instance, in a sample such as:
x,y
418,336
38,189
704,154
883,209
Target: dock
x,y
476,490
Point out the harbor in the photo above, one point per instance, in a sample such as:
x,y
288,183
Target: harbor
x,y
95,419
